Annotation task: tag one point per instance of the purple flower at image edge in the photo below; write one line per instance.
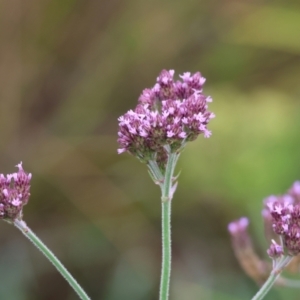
(170, 113)
(284, 215)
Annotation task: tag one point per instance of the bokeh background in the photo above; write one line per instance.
(69, 68)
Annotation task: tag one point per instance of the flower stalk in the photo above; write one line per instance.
(168, 115)
(168, 190)
(21, 225)
(166, 251)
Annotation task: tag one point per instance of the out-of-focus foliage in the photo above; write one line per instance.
(68, 69)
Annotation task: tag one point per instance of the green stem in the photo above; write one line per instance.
(275, 274)
(21, 225)
(166, 251)
(167, 194)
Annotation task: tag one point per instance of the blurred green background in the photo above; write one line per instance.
(69, 69)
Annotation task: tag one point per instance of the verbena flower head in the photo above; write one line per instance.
(285, 218)
(167, 116)
(14, 193)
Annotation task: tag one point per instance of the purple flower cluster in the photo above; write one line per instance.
(14, 193)
(171, 113)
(284, 215)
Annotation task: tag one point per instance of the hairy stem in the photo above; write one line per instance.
(166, 251)
(167, 193)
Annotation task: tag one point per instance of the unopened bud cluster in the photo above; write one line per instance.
(239, 233)
(14, 193)
(171, 113)
(256, 268)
